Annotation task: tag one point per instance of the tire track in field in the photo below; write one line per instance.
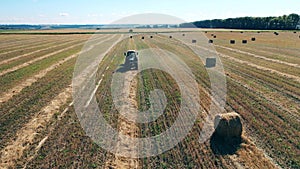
(38, 59)
(36, 51)
(28, 82)
(25, 136)
(259, 56)
(126, 127)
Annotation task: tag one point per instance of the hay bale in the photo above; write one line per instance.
(143, 37)
(253, 39)
(210, 62)
(170, 37)
(212, 35)
(130, 37)
(210, 41)
(242, 32)
(194, 41)
(228, 125)
(215, 36)
(244, 41)
(205, 31)
(295, 32)
(258, 32)
(183, 34)
(232, 41)
(151, 37)
(276, 33)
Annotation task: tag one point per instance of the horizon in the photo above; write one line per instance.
(100, 24)
(46, 12)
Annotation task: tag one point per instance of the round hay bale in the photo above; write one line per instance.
(151, 37)
(228, 125)
(170, 37)
(242, 32)
(215, 36)
(232, 41)
(143, 37)
(244, 41)
(194, 41)
(131, 37)
(210, 41)
(253, 39)
(183, 34)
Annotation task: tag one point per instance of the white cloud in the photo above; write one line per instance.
(63, 14)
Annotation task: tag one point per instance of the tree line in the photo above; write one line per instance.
(285, 22)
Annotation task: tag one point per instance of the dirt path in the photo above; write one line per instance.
(130, 129)
(28, 82)
(127, 127)
(259, 56)
(24, 137)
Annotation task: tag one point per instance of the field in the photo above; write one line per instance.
(39, 127)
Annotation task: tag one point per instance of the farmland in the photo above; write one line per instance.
(39, 127)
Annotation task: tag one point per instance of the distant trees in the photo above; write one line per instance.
(276, 23)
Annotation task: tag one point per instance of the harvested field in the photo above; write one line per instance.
(39, 127)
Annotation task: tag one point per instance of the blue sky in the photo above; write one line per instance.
(107, 11)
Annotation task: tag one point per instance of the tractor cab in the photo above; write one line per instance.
(131, 59)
